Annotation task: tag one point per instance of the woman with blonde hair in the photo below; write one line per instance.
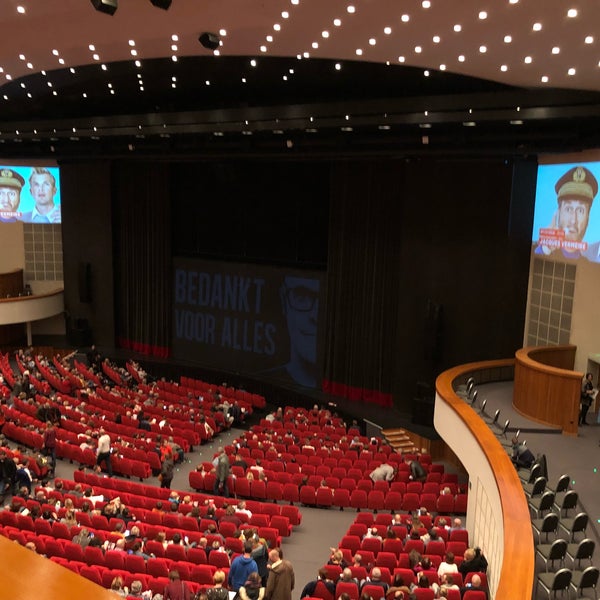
(116, 586)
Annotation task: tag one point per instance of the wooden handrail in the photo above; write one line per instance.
(517, 571)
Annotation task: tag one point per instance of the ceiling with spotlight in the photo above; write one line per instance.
(517, 75)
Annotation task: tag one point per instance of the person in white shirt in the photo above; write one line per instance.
(103, 451)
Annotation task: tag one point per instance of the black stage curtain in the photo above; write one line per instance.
(143, 257)
(363, 280)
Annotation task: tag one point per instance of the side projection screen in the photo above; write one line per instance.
(29, 194)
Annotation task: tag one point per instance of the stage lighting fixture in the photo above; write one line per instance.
(106, 6)
(209, 40)
(164, 4)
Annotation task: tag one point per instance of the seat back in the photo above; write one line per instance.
(585, 549)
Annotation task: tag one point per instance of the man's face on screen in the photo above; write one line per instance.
(573, 218)
(301, 303)
(42, 189)
(9, 198)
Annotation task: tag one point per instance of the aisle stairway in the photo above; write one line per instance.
(399, 440)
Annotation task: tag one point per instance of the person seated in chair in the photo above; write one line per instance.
(522, 456)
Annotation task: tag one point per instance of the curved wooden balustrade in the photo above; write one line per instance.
(26, 309)
(498, 514)
(546, 388)
(29, 576)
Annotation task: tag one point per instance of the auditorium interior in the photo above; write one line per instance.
(322, 204)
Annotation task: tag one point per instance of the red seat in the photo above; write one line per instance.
(352, 542)
(445, 504)
(358, 500)
(460, 504)
(197, 556)
(175, 552)
(436, 547)
(292, 513)
(459, 535)
(324, 497)
(258, 489)
(114, 559)
(375, 500)
(423, 593)
(157, 567)
(417, 545)
(282, 524)
(220, 560)
(376, 592)
(91, 573)
(73, 552)
(474, 595)
(396, 546)
(410, 502)
(429, 501)
(322, 592)
(387, 560)
(408, 575)
(341, 498)
(290, 492)
(347, 588)
(372, 545)
(308, 495)
(135, 563)
(93, 556)
(274, 491)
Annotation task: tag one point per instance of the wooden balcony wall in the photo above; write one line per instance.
(547, 390)
(497, 514)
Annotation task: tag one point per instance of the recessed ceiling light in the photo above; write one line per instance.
(245, 132)
(469, 124)
(461, 58)
(555, 50)
(96, 56)
(29, 65)
(325, 34)
(295, 2)
(104, 67)
(337, 22)
(483, 15)
(112, 91)
(21, 10)
(405, 18)
(372, 41)
(351, 9)
(347, 129)
(315, 45)
(545, 79)
(359, 52)
(175, 37)
(263, 48)
(21, 57)
(513, 1)
(457, 28)
(207, 82)
(223, 32)
(426, 4)
(425, 125)
(516, 122)
(243, 80)
(528, 60)
(401, 59)
(138, 63)
(442, 67)
(537, 27)
(571, 71)
(284, 77)
(174, 47)
(507, 39)
(387, 30)
(92, 48)
(61, 61)
(131, 43)
(436, 39)
(269, 38)
(347, 117)
(72, 70)
(252, 63)
(483, 49)
(306, 55)
(276, 27)
(285, 14)
(418, 49)
(338, 66)
(572, 13)
(291, 71)
(426, 73)
(504, 68)
(589, 39)
(55, 52)
(54, 93)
